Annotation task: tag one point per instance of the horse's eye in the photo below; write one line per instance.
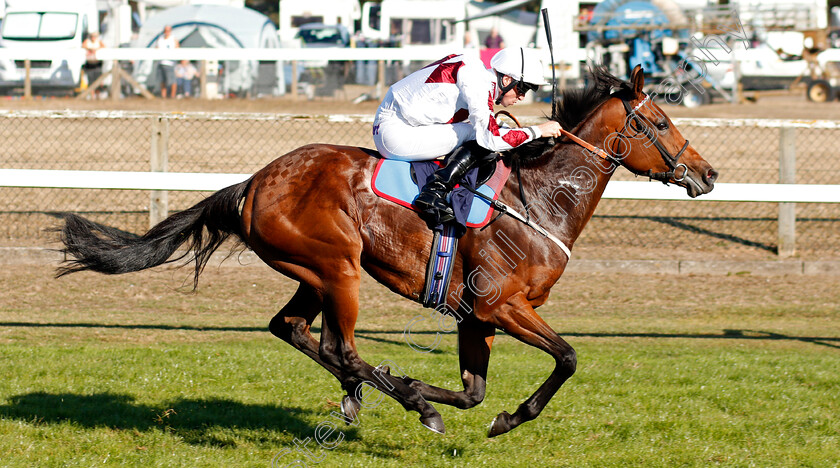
(662, 126)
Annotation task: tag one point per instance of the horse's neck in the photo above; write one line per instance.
(570, 184)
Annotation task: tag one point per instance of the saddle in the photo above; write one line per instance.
(400, 182)
(397, 181)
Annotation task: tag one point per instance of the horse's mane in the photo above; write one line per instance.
(573, 106)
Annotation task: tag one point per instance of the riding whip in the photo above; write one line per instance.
(551, 54)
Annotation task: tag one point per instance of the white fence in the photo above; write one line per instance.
(380, 55)
(206, 182)
(565, 58)
(431, 52)
(203, 55)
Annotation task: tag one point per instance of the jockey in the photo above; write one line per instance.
(447, 107)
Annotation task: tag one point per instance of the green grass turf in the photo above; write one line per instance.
(113, 383)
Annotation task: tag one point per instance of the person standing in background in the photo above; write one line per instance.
(185, 72)
(468, 40)
(166, 68)
(93, 66)
(494, 40)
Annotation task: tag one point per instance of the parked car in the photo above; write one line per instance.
(324, 35)
(323, 77)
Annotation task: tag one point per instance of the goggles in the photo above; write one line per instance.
(523, 87)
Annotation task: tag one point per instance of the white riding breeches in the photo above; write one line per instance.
(396, 139)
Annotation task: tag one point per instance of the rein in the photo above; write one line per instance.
(592, 148)
(664, 177)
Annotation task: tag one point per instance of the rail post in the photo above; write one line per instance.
(159, 199)
(738, 89)
(380, 79)
(294, 86)
(116, 81)
(202, 80)
(787, 175)
(27, 79)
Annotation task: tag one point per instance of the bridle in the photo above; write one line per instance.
(638, 125)
(671, 161)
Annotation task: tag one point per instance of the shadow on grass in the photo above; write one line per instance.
(363, 334)
(829, 341)
(211, 422)
(139, 326)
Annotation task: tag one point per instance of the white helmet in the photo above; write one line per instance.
(520, 64)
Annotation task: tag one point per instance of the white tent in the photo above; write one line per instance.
(217, 26)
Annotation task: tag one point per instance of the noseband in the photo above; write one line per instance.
(672, 161)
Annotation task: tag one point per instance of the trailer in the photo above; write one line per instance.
(823, 66)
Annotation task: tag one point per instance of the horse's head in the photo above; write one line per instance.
(647, 143)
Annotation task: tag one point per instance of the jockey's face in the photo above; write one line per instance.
(513, 95)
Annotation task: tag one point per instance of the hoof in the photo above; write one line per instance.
(433, 423)
(500, 424)
(350, 408)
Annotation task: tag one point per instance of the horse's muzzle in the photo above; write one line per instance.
(699, 182)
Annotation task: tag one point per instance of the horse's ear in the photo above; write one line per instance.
(637, 78)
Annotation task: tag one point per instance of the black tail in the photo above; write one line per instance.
(93, 246)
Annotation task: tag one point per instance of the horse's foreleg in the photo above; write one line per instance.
(475, 340)
(337, 347)
(519, 320)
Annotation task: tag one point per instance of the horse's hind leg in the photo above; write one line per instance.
(519, 320)
(475, 340)
(292, 324)
(341, 308)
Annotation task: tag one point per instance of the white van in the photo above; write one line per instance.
(48, 25)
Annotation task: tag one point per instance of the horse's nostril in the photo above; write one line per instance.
(711, 176)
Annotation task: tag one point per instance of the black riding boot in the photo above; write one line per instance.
(431, 202)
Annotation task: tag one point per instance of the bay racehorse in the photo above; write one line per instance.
(311, 215)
